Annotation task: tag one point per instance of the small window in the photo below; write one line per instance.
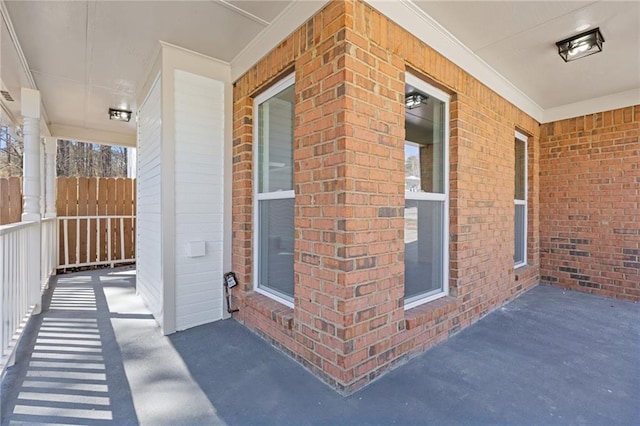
(426, 217)
(274, 195)
(520, 200)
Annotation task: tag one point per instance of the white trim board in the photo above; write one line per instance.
(410, 17)
(441, 198)
(44, 118)
(83, 134)
(294, 15)
(591, 106)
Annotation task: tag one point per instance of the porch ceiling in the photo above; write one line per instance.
(87, 56)
(517, 39)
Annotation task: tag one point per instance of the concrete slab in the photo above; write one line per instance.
(549, 357)
(96, 356)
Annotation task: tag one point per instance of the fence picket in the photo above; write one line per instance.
(92, 210)
(61, 208)
(4, 201)
(10, 200)
(72, 210)
(102, 211)
(90, 240)
(129, 202)
(111, 210)
(83, 201)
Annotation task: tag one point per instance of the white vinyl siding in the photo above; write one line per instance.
(199, 202)
(149, 227)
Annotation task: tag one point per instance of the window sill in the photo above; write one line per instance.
(436, 310)
(524, 271)
(276, 311)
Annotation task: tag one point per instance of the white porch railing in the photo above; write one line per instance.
(29, 257)
(99, 240)
(49, 251)
(20, 280)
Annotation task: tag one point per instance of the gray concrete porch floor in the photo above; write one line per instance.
(96, 356)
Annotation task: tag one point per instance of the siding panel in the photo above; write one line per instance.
(149, 226)
(199, 154)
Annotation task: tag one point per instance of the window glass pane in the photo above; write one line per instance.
(520, 237)
(424, 150)
(275, 142)
(276, 246)
(423, 239)
(520, 172)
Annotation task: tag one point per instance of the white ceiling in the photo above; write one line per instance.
(87, 56)
(518, 39)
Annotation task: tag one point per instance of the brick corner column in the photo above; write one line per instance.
(349, 157)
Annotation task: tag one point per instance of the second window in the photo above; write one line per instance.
(274, 195)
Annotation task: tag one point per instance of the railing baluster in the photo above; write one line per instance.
(78, 241)
(3, 307)
(98, 247)
(88, 244)
(115, 241)
(65, 224)
(109, 240)
(18, 276)
(121, 235)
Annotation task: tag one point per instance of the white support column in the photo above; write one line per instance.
(132, 156)
(51, 150)
(42, 176)
(31, 192)
(31, 161)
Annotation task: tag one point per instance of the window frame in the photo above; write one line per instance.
(272, 91)
(521, 137)
(443, 197)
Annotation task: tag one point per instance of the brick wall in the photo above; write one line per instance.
(349, 322)
(590, 220)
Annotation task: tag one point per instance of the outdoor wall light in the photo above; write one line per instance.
(581, 45)
(119, 115)
(415, 100)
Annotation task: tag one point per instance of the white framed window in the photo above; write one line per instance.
(426, 214)
(520, 200)
(273, 191)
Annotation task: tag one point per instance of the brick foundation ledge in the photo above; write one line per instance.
(434, 312)
(275, 323)
(277, 312)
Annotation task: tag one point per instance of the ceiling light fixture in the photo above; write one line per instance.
(415, 100)
(119, 115)
(581, 45)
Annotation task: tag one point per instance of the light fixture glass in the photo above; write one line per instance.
(415, 100)
(581, 45)
(119, 115)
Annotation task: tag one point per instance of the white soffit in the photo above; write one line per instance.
(604, 103)
(295, 14)
(15, 74)
(84, 134)
(265, 11)
(518, 39)
(409, 16)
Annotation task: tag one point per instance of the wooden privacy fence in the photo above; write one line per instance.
(10, 200)
(96, 221)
